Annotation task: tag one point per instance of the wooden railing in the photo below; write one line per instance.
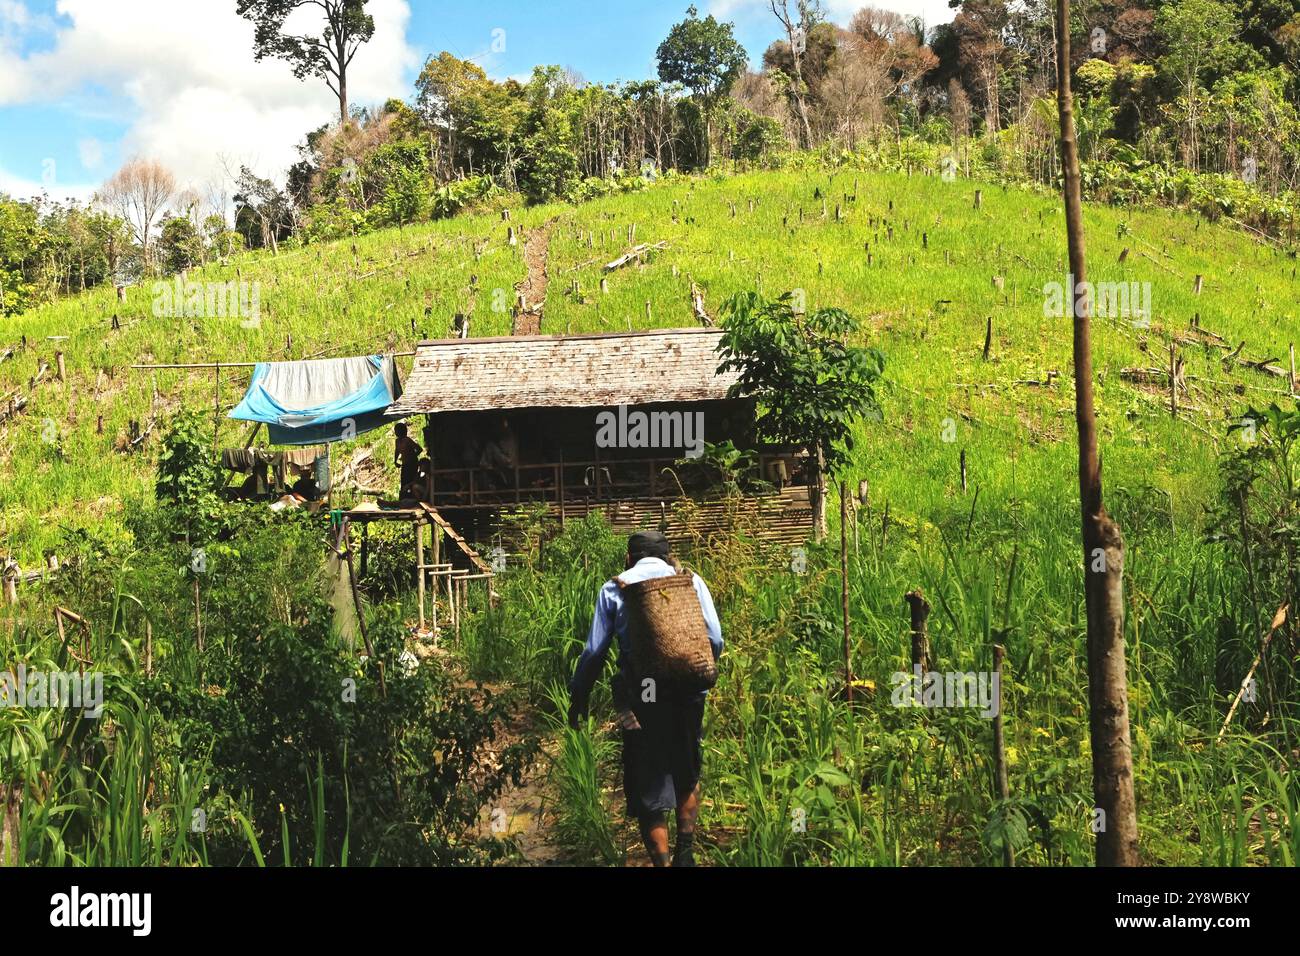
(555, 482)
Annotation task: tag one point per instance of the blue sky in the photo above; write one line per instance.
(88, 83)
(604, 41)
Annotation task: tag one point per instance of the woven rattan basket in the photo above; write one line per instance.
(667, 637)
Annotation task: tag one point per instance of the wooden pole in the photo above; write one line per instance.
(920, 609)
(1115, 822)
(356, 590)
(817, 495)
(1000, 753)
(857, 542)
(211, 366)
(1173, 380)
(844, 586)
(460, 606)
(419, 568)
(216, 412)
(451, 603)
(198, 614)
(435, 536)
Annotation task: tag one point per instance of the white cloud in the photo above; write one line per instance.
(23, 188)
(188, 83)
(91, 153)
(13, 15)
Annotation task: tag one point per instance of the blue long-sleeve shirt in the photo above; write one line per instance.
(610, 619)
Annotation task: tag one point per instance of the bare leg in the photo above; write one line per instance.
(654, 831)
(688, 809)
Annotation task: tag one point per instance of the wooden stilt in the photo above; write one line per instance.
(419, 566)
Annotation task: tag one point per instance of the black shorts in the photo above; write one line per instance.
(661, 761)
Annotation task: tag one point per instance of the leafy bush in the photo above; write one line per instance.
(756, 138)
(455, 197)
(188, 478)
(382, 757)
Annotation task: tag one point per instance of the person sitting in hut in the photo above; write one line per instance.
(406, 455)
(501, 455)
(258, 483)
(306, 488)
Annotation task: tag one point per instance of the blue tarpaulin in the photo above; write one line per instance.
(328, 400)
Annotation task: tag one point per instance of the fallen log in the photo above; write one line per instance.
(634, 254)
(1265, 366)
(1048, 382)
(1199, 343)
(1144, 376)
(12, 407)
(1199, 329)
(1278, 620)
(134, 443)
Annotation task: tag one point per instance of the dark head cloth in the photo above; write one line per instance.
(647, 544)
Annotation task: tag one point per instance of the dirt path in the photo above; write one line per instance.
(537, 244)
(524, 814)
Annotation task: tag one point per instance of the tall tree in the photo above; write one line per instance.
(19, 237)
(705, 57)
(1103, 545)
(1200, 37)
(980, 29)
(347, 26)
(138, 192)
(260, 204)
(798, 28)
(445, 89)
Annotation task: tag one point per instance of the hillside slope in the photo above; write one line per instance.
(911, 255)
(926, 269)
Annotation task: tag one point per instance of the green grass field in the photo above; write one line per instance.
(926, 302)
(925, 270)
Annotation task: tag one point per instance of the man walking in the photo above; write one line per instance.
(661, 724)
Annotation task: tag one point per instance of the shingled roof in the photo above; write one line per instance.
(565, 371)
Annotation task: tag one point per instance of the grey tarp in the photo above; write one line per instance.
(323, 400)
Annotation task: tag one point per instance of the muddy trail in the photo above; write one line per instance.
(531, 292)
(526, 814)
